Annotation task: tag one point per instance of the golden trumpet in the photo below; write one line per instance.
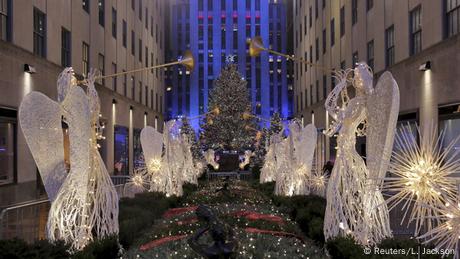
(256, 46)
(187, 61)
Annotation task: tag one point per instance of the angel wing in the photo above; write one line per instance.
(382, 107)
(306, 149)
(152, 143)
(41, 123)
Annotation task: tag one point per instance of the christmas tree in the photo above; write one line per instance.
(229, 124)
(187, 130)
(275, 124)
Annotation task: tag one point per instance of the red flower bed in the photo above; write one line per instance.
(273, 233)
(159, 242)
(178, 211)
(256, 216)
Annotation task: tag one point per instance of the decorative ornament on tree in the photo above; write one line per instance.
(423, 175)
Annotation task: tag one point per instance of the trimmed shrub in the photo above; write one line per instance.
(16, 248)
(106, 248)
(345, 248)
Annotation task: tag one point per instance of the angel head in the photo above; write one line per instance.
(363, 79)
(65, 80)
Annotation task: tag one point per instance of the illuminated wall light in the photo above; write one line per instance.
(313, 117)
(27, 84)
(145, 119)
(29, 69)
(425, 66)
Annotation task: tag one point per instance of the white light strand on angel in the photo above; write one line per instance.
(355, 205)
(422, 175)
(84, 203)
(271, 161)
(296, 160)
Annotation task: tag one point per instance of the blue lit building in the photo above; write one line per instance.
(215, 29)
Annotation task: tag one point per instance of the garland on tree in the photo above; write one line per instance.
(229, 126)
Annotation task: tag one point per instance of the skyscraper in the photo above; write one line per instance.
(217, 31)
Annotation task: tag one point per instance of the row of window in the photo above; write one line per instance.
(452, 17)
(223, 4)
(101, 9)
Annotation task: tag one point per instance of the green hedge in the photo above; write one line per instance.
(106, 248)
(140, 212)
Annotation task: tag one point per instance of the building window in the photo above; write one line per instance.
(146, 56)
(133, 44)
(133, 88)
(311, 54)
(85, 5)
(140, 91)
(125, 84)
(332, 32)
(415, 30)
(389, 46)
(140, 10)
(5, 20)
(317, 49)
(354, 11)
(316, 9)
(310, 17)
(342, 21)
(200, 5)
(138, 160)
(324, 41)
(121, 150)
(369, 4)
(151, 26)
(133, 4)
(140, 50)
(342, 65)
(305, 24)
(101, 67)
(317, 90)
(370, 54)
(354, 59)
(8, 128)
(114, 79)
(65, 47)
(146, 96)
(324, 4)
(101, 8)
(39, 33)
(146, 18)
(125, 32)
(324, 86)
(257, 5)
(151, 99)
(452, 17)
(306, 58)
(85, 58)
(114, 23)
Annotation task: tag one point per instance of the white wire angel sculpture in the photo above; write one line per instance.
(84, 203)
(272, 158)
(355, 205)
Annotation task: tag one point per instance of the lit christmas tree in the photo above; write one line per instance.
(187, 129)
(275, 124)
(229, 124)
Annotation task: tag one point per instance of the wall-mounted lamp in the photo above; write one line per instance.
(114, 101)
(29, 69)
(425, 66)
